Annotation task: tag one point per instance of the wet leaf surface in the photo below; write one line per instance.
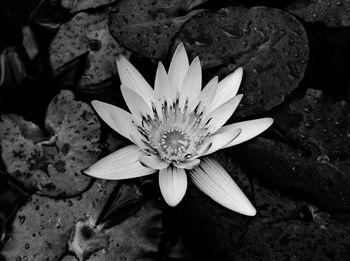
(330, 13)
(51, 164)
(289, 167)
(271, 45)
(285, 226)
(11, 198)
(57, 226)
(87, 33)
(147, 27)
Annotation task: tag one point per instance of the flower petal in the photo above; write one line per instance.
(131, 77)
(227, 88)
(162, 88)
(250, 129)
(189, 164)
(220, 115)
(208, 93)
(219, 140)
(173, 185)
(213, 180)
(152, 161)
(115, 117)
(121, 164)
(178, 68)
(135, 103)
(192, 85)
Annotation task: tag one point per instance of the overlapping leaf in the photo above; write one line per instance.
(271, 45)
(51, 164)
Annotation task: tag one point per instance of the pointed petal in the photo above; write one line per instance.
(208, 93)
(115, 117)
(173, 185)
(221, 114)
(227, 88)
(213, 180)
(250, 129)
(220, 140)
(189, 164)
(178, 68)
(131, 77)
(192, 85)
(162, 88)
(135, 103)
(122, 164)
(152, 161)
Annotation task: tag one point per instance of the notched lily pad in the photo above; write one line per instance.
(51, 165)
(43, 227)
(330, 13)
(147, 27)
(87, 33)
(61, 225)
(270, 44)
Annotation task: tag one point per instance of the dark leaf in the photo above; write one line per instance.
(11, 198)
(271, 45)
(50, 14)
(69, 75)
(147, 27)
(122, 203)
(331, 13)
(12, 68)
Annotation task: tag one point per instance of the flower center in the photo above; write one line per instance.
(174, 134)
(174, 141)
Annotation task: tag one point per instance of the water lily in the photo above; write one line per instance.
(173, 128)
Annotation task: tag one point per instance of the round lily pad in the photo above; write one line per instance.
(330, 13)
(270, 45)
(147, 27)
(87, 33)
(51, 165)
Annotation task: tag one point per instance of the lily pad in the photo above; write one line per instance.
(11, 198)
(80, 5)
(287, 167)
(309, 234)
(51, 166)
(321, 124)
(147, 27)
(269, 44)
(87, 33)
(330, 13)
(61, 225)
(286, 225)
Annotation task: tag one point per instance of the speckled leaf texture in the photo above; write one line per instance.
(148, 27)
(270, 45)
(49, 162)
(87, 32)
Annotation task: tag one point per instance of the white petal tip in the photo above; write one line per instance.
(247, 211)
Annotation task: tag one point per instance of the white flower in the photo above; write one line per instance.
(175, 124)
